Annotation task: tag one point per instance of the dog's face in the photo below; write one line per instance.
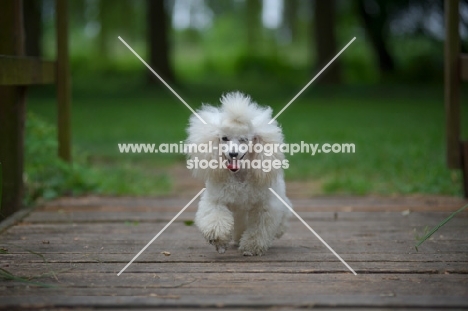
(234, 129)
(234, 149)
(235, 136)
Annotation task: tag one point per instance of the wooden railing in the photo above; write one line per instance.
(456, 71)
(18, 71)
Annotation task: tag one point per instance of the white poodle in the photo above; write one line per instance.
(237, 203)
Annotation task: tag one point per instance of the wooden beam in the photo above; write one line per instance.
(464, 156)
(26, 71)
(464, 67)
(452, 83)
(63, 82)
(12, 111)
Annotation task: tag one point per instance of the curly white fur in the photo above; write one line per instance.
(239, 205)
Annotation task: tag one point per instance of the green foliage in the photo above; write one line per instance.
(398, 133)
(259, 65)
(46, 175)
(189, 223)
(8, 276)
(220, 48)
(436, 228)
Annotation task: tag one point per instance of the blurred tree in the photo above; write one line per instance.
(115, 17)
(290, 18)
(221, 7)
(32, 12)
(412, 17)
(77, 17)
(325, 40)
(158, 41)
(254, 9)
(105, 12)
(375, 16)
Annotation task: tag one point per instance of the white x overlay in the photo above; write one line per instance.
(313, 231)
(162, 230)
(313, 79)
(164, 82)
(203, 121)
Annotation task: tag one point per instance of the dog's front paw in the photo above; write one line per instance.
(221, 246)
(219, 236)
(250, 246)
(254, 250)
(216, 224)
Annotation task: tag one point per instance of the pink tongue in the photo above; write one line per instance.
(233, 165)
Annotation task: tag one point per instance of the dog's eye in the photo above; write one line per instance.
(224, 138)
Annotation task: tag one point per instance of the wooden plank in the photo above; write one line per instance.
(245, 289)
(244, 308)
(176, 298)
(26, 71)
(379, 223)
(190, 246)
(452, 83)
(141, 233)
(12, 112)
(70, 216)
(78, 255)
(301, 251)
(316, 204)
(81, 260)
(268, 282)
(63, 82)
(30, 270)
(14, 219)
(464, 67)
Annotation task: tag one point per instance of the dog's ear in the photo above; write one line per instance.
(270, 137)
(203, 140)
(266, 133)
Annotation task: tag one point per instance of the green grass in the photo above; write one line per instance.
(398, 132)
(427, 235)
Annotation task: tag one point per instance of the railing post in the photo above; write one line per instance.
(12, 111)
(63, 82)
(452, 84)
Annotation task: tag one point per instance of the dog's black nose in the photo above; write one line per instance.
(233, 154)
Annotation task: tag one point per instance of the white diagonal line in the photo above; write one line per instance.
(164, 82)
(312, 230)
(313, 79)
(157, 235)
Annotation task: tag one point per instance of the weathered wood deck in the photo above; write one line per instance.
(79, 245)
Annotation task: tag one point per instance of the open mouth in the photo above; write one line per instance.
(233, 165)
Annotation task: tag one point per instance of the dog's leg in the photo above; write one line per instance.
(215, 222)
(285, 215)
(263, 223)
(240, 223)
(283, 226)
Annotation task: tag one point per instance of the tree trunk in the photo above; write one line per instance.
(158, 39)
(32, 12)
(104, 11)
(325, 41)
(290, 18)
(254, 9)
(376, 29)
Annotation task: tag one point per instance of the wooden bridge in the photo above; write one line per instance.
(66, 254)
